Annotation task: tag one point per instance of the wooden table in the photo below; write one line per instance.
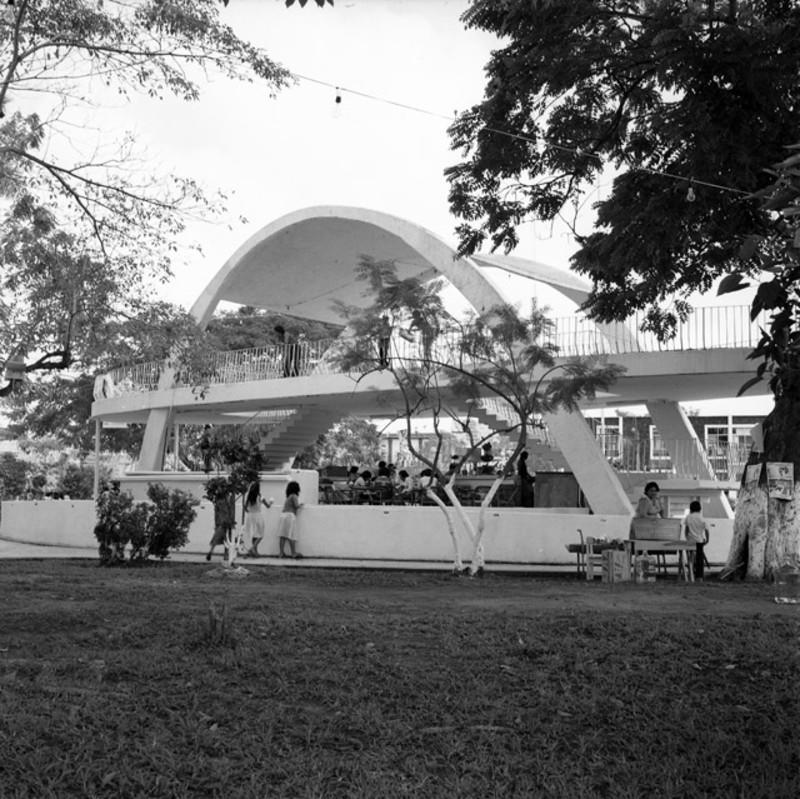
(655, 547)
(579, 550)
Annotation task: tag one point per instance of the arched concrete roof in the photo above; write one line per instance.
(303, 261)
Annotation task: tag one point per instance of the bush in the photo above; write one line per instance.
(149, 528)
(170, 518)
(77, 481)
(13, 476)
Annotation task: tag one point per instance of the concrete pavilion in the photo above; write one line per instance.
(300, 263)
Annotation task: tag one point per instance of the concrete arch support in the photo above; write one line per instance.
(597, 479)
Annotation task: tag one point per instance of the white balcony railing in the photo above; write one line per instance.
(707, 328)
(685, 458)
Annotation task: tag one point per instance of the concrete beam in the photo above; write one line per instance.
(597, 479)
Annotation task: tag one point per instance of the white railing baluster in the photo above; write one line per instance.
(706, 328)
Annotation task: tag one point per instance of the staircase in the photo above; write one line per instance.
(297, 431)
(544, 455)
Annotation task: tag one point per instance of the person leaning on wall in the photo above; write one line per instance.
(526, 481)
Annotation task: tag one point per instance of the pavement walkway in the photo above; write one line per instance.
(17, 550)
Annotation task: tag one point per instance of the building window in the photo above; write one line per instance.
(609, 436)
(728, 449)
(659, 454)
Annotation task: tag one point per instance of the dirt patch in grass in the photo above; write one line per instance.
(385, 684)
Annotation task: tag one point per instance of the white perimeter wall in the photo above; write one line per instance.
(529, 535)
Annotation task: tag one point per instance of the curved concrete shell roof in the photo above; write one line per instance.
(300, 263)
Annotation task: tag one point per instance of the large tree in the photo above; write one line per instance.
(687, 103)
(87, 233)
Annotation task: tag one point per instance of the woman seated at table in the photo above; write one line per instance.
(352, 476)
(361, 487)
(404, 487)
(650, 505)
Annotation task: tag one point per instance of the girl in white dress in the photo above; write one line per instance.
(287, 524)
(255, 524)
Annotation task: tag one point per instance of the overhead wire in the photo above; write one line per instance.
(578, 151)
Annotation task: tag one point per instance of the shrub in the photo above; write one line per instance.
(116, 522)
(171, 515)
(149, 528)
(77, 481)
(13, 476)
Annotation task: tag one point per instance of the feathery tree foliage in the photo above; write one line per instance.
(498, 354)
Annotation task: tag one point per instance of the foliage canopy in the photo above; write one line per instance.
(681, 100)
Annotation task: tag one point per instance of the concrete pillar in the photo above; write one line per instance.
(686, 451)
(597, 479)
(98, 428)
(151, 457)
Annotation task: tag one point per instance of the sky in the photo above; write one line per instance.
(300, 148)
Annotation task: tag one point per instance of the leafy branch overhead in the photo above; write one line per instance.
(681, 105)
(776, 259)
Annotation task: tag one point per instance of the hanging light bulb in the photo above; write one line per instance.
(9, 12)
(337, 104)
(690, 195)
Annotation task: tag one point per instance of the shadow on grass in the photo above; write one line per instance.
(379, 684)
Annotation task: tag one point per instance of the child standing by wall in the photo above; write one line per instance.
(224, 520)
(287, 525)
(254, 522)
(697, 531)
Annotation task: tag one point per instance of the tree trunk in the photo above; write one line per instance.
(451, 528)
(766, 531)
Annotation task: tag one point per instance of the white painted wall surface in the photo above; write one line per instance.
(537, 536)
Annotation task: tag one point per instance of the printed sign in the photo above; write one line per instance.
(751, 475)
(780, 480)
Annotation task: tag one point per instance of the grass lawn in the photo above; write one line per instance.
(324, 683)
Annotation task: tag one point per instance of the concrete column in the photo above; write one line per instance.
(686, 451)
(597, 479)
(151, 457)
(98, 427)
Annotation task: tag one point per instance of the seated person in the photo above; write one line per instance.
(361, 487)
(427, 480)
(352, 476)
(453, 466)
(383, 479)
(404, 484)
(650, 505)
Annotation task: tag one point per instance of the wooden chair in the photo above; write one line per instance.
(593, 559)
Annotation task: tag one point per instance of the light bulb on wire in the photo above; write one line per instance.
(9, 12)
(337, 104)
(690, 194)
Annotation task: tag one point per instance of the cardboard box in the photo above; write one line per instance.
(616, 566)
(644, 569)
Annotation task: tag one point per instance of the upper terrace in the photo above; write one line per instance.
(709, 351)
